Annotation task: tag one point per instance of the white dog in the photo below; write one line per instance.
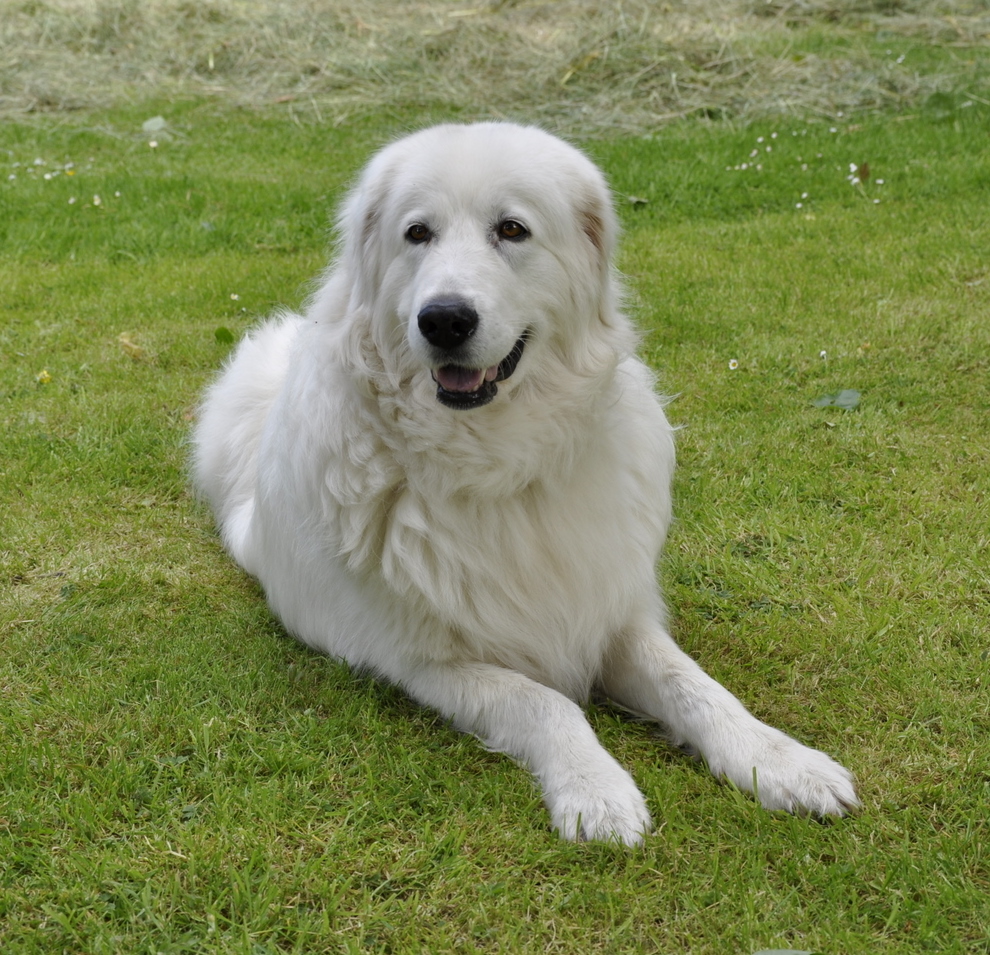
(453, 473)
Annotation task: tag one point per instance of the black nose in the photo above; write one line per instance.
(447, 324)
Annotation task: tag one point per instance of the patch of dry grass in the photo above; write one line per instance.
(572, 64)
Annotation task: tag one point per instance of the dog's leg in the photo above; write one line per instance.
(648, 673)
(589, 795)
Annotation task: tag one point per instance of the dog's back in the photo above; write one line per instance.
(231, 419)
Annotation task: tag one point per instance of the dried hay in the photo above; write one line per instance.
(572, 64)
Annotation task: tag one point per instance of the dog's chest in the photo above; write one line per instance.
(537, 581)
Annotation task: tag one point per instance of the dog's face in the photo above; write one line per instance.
(478, 246)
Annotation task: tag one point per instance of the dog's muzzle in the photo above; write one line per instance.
(459, 387)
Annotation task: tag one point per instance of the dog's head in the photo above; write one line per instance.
(476, 247)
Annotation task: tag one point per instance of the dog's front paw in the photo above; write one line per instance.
(784, 774)
(607, 809)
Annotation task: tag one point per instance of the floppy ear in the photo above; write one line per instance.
(599, 223)
(594, 229)
(601, 226)
(357, 225)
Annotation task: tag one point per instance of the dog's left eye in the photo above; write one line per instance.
(511, 229)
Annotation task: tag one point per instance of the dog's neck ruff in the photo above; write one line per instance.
(460, 388)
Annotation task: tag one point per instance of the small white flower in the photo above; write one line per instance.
(235, 297)
(13, 175)
(48, 175)
(72, 200)
(97, 200)
(39, 162)
(755, 152)
(879, 182)
(773, 135)
(804, 195)
(876, 202)
(759, 139)
(769, 149)
(733, 364)
(117, 194)
(823, 355)
(832, 129)
(799, 205)
(153, 143)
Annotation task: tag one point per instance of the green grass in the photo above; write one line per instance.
(178, 776)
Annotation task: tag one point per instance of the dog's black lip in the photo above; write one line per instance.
(508, 364)
(488, 389)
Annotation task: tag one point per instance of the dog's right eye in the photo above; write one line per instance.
(417, 233)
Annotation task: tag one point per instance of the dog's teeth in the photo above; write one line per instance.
(491, 373)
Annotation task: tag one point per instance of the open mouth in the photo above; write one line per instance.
(459, 387)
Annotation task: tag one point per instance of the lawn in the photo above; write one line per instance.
(177, 775)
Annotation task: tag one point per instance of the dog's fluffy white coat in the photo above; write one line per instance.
(496, 562)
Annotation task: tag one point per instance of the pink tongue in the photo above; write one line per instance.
(453, 378)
